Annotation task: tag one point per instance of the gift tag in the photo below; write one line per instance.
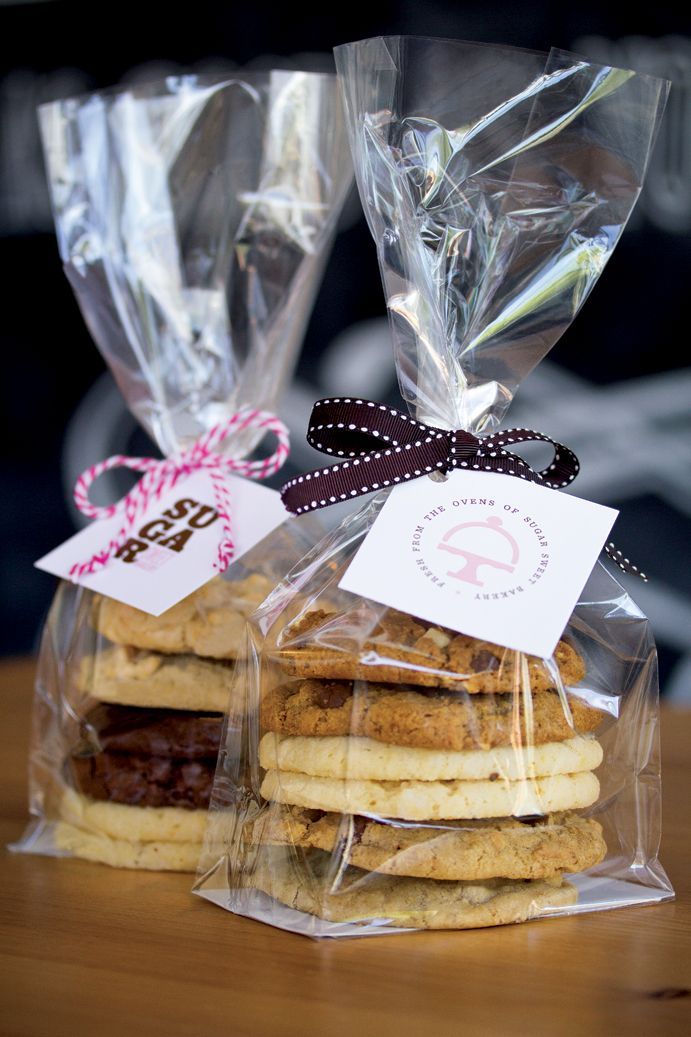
(172, 548)
(494, 557)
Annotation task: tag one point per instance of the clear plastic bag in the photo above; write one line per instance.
(194, 218)
(388, 773)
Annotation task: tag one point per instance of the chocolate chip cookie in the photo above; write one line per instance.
(529, 848)
(417, 717)
(404, 903)
(397, 648)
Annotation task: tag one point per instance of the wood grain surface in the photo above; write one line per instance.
(89, 950)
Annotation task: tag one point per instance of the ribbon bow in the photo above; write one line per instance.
(161, 476)
(387, 447)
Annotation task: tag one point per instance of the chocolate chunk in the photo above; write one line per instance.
(359, 825)
(314, 815)
(333, 695)
(493, 776)
(304, 625)
(484, 661)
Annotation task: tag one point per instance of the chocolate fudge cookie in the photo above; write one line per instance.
(147, 757)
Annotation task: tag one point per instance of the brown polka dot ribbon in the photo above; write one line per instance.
(383, 447)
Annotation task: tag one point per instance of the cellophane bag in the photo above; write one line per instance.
(390, 773)
(194, 218)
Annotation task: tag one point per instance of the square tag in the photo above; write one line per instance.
(491, 556)
(173, 546)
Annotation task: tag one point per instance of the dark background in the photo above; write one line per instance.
(632, 328)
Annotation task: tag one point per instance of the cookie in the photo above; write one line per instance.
(419, 718)
(398, 648)
(534, 848)
(351, 757)
(144, 781)
(167, 733)
(146, 757)
(156, 855)
(210, 622)
(130, 823)
(433, 800)
(136, 677)
(406, 903)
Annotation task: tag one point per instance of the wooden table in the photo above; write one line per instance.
(89, 950)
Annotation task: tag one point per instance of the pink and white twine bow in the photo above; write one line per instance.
(161, 476)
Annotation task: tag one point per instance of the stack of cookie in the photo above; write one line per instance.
(139, 773)
(424, 778)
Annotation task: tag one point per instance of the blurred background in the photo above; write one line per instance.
(616, 388)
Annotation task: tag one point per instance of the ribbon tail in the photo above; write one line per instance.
(226, 547)
(619, 559)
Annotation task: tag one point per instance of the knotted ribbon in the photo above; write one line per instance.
(162, 475)
(387, 447)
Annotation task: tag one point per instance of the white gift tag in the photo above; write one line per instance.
(494, 557)
(172, 548)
